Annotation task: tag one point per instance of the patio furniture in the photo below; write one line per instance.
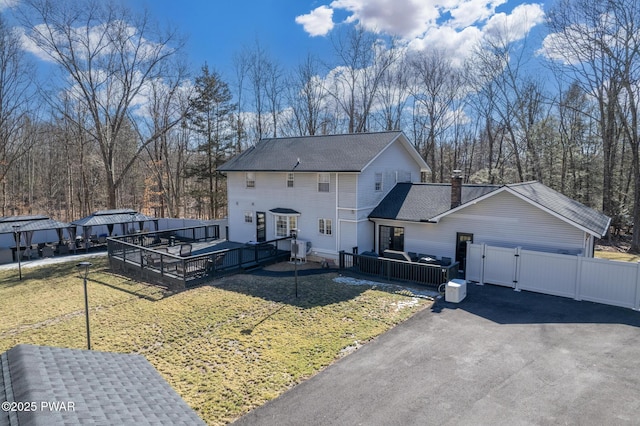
(185, 250)
(155, 258)
(47, 251)
(396, 255)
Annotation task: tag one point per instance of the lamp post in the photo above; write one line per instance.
(294, 234)
(16, 232)
(86, 266)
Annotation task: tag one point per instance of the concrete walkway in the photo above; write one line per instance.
(498, 358)
(53, 260)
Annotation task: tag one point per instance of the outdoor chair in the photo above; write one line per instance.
(185, 250)
(155, 259)
(47, 251)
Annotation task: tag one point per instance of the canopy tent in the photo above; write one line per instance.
(109, 218)
(27, 225)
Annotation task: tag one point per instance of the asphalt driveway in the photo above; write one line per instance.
(500, 357)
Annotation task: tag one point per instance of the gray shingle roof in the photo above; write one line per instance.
(564, 206)
(105, 388)
(108, 217)
(333, 153)
(30, 223)
(423, 202)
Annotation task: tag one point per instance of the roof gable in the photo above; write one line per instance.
(327, 153)
(563, 207)
(431, 202)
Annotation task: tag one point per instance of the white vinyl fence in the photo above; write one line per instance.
(581, 278)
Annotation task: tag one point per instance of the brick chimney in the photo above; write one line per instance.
(456, 188)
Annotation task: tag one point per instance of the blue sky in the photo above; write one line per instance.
(218, 29)
(290, 29)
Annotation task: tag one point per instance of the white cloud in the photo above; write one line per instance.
(468, 12)
(459, 44)
(318, 22)
(6, 4)
(516, 25)
(453, 25)
(406, 18)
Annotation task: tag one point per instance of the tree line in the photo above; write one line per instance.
(119, 119)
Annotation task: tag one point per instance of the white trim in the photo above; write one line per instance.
(520, 196)
(407, 145)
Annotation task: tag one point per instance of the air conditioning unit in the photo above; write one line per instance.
(455, 291)
(299, 250)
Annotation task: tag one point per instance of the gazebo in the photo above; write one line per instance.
(127, 218)
(26, 226)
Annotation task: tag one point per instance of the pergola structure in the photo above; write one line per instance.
(26, 226)
(126, 218)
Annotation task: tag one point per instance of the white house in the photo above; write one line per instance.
(324, 186)
(440, 219)
(364, 190)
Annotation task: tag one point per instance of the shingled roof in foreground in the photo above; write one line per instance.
(79, 387)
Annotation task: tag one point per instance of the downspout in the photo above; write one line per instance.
(375, 235)
(339, 227)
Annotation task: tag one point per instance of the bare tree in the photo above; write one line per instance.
(597, 45)
(108, 55)
(394, 93)
(436, 85)
(16, 131)
(362, 63)
(306, 96)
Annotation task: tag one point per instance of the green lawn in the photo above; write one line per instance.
(225, 349)
(617, 255)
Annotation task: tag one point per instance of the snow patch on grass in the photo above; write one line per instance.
(409, 291)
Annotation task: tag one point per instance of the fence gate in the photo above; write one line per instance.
(581, 278)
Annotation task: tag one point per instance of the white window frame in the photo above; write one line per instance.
(325, 226)
(324, 179)
(250, 179)
(248, 216)
(289, 221)
(290, 180)
(378, 182)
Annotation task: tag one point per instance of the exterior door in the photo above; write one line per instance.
(392, 238)
(462, 239)
(261, 227)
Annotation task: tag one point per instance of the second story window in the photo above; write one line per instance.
(378, 183)
(324, 179)
(290, 178)
(250, 179)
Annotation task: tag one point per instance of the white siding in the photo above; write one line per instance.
(347, 187)
(348, 237)
(271, 192)
(349, 201)
(502, 220)
(393, 161)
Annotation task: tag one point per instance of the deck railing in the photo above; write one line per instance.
(174, 271)
(392, 270)
(170, 237)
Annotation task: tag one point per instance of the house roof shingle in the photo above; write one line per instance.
(105, 388)
(326, 153)
(564, 206)
(419, 202)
